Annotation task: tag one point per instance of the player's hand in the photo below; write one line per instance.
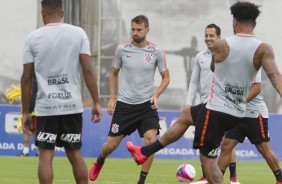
(154, 102)
(111, 106)
(26, 124)
(96, 115)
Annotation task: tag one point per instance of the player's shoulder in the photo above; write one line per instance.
(220, 45)
(125, 45)
(264, 49)
(202, 52)
(152, 46)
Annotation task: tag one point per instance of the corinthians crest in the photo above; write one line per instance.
(148, 57)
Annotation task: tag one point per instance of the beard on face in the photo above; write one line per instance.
(138, 39)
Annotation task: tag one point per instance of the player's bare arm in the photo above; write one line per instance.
(264, 57)
(91, 83)
(26, 88)
(113, 87)
(165, 82)
(220, 52)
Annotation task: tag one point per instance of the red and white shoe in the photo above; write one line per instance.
(234, 180)
(95, 170)
(136, 153)
(201, 181)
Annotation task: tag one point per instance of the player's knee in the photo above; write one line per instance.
(149, 140)
(111, 146)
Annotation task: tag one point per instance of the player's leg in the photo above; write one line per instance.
(46, 134)
(45, 169)
(211, 169)
(232, 168)
(258, 135)
(79, 168)
(107, 148)
(26, 144)
(176, 131)
(270, 157)
(149, 138)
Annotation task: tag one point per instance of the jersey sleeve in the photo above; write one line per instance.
(161, 61)
(85, 46)
(117, 61)
(257, 78)
(28, 56)
(194, 82)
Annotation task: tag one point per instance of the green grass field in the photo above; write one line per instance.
(23, 170)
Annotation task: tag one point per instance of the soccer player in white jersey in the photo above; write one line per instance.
(255, 128)
(57, 52)
(136, 105)
(235, 61)
(202, 76)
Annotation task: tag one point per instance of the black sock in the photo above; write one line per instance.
(232, 169)
(142, 178)
(101, 160)
(151, 148)
(204, 174)
(278, 175)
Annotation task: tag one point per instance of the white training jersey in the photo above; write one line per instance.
(201, 75)
(137, 70)
(54, 49)
(234, 76)
(257, 106)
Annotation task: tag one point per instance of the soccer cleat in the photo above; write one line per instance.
(233, 180)
(136, 153)
(201, 181)
(279, 182)
(95, 170)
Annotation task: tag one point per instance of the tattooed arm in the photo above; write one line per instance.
(265, 57)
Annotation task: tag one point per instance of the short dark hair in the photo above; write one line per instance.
(54, 5)
(245, 11)
(141, 19)
(217, 29)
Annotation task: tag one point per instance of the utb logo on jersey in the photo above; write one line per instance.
(148, 57)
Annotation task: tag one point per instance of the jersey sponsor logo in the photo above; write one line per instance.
(128, 46)
(237, 108)
(65, 95)
(46, 137)
(71, 138)
(150, 47)
(235, 90)
(213, 153)
(60, 107)
(236, 101)
(148, 57)
(57, 81)
(115, 128)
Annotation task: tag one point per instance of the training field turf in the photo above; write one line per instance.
(23, 170)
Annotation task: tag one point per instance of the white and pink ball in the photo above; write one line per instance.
(185, 172)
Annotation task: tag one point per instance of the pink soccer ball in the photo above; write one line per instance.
(185, 172)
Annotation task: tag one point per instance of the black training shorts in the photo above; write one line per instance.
(61, 131)
(195, 109)
(129, 117)
(256, 129)
(210, 129)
